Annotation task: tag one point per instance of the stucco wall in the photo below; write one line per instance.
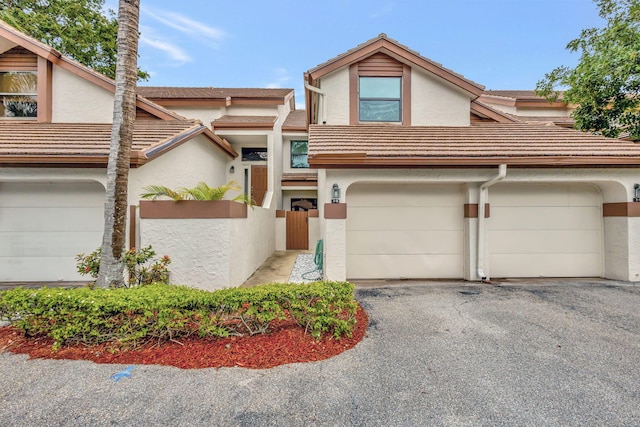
(212, 253)
(336, 87)
(252, 242)
(434, 103)
(75, 100)
(621, 241)
(184, 166)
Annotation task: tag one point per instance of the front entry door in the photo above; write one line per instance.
(258, 184)
(297, 230)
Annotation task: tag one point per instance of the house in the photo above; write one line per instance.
(55, 126)
(404, 168)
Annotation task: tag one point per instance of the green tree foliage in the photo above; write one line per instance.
(605, 85)
(77, 28)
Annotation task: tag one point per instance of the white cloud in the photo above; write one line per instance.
(198, 31)
(281, 78)
(175, 53)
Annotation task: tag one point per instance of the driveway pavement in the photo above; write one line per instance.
(520, 353)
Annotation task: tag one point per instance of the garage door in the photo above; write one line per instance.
(550, 230)
(404, 231)
(43, 226)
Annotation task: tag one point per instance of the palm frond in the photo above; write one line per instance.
(154, 192)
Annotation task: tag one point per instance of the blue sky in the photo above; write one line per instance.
(502, 44)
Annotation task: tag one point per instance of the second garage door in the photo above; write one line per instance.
(44, 225)
(549, 230)
(404, 231)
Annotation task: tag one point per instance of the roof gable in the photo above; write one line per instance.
(52, 55)
(401, 53)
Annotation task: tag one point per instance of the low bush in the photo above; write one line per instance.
(132, 316)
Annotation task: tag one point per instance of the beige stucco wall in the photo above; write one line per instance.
(435, 103)
(621, 236)
(336, 87)
(252, 242)
(75, 100)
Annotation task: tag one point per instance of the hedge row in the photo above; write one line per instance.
(164, 312)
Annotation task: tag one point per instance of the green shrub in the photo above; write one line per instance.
(132, 316)
(141, 267)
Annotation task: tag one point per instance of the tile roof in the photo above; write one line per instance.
(300, 176)
(488, 144)
(295, 121)
(517, 94)
(155, 92)
(87, 144)
(243, 122)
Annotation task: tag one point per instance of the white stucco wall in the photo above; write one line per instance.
(252, 242)
(205, 114)
(281, 234)
(336, 87)
(184, 166)
(435, 103)
(212, 253)
(75, 100)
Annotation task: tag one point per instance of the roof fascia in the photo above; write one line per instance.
(361, 160)
(498, 116)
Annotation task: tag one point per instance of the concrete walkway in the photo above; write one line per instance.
(277, 268)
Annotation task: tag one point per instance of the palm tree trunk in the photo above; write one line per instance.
(124, 115)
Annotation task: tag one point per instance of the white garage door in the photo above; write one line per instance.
(550, 230)
(43, 226)
(404, 231)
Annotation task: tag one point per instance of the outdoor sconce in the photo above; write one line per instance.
(636, 192)
(232, 169)
(335, 194)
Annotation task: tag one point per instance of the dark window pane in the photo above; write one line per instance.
(253, 154)
(380, 111)
(299, 150)
(18, 106)
(299, 147)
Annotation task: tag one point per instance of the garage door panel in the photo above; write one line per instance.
(44, 225)
(546, 265)
(404, 218)
(403, 266)
(544, 218)
(509, 194)
(405, 242)
(53, 244)
(545, 230)
(38, 269)
(564, 241)
(401, 195)
(48, 194)
(404, 231)
(70, 218)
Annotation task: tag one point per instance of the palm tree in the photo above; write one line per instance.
(124, 116)
(202, 191)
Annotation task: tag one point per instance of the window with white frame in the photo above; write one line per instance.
(18, 95)
(380, 99)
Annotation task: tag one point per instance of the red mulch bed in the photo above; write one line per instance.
(287, 343)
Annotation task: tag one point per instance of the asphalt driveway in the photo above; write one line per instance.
(439, 353)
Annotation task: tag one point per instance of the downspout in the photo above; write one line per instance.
(322, 100)
(482, 200)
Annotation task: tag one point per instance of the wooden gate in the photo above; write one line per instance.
(258, 184)
(297, 229)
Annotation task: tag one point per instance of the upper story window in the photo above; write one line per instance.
(254, 154)
(299, 154)
(380, 99)
(18, 94)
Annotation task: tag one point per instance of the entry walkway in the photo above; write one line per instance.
(277, 268)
